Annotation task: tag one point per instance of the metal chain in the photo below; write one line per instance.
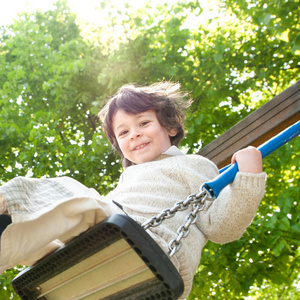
(197, 200)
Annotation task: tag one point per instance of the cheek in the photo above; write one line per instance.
(122, 144)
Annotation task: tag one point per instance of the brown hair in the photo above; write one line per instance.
(165, 98)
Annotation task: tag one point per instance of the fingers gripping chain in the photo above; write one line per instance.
(197, 200)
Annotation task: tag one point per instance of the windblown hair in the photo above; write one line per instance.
(165, 98)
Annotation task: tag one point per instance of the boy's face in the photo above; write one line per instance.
(140, 137)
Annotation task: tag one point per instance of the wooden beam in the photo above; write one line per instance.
(261, 125)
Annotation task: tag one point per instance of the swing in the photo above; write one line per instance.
(117, 259)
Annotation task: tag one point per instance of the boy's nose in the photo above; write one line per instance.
(135, 134)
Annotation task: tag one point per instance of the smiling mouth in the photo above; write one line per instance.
(140, 146)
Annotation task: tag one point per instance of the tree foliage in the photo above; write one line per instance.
(232, 57)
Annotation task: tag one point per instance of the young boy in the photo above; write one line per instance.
(145, 125)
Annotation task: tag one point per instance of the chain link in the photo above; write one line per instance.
(197, 200)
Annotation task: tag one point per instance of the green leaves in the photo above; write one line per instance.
(54, 78)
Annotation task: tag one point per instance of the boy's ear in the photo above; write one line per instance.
(173, 132)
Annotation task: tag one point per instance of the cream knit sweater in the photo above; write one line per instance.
(145, 190)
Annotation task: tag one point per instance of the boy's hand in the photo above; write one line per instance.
(249, 160)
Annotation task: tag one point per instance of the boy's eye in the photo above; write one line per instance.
(144, 123)
(122, 133)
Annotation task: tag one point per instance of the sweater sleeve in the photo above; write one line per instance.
(227, 217)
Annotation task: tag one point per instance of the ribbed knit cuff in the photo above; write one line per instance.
(255, 183)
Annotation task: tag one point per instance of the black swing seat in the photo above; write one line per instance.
(116, 259)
